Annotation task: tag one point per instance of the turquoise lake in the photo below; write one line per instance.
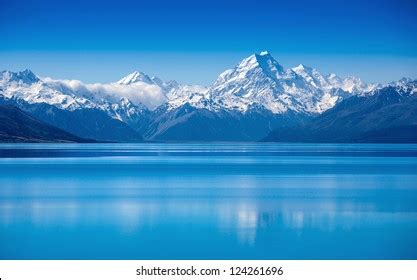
(208, 201)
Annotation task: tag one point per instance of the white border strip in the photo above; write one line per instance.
(103, 270)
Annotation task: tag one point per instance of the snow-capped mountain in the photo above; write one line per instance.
(405, 87)
(23, 77)
(27, 86)
(352, 85)
(261, 80)
(258, 88)
(387, 114)
(135, 77)
(73, 95)
(258, 80)
(175, 95)
(140, 77)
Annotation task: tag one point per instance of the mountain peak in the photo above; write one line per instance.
(134, 77)
(26, 76)
(405, 80)
(407, 84)
(302, 69)
(264, 60)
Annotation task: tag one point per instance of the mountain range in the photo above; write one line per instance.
(387, 114)
(257, 99)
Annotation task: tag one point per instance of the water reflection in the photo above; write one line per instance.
(213, 201)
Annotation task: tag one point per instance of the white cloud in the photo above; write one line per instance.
(147, 94)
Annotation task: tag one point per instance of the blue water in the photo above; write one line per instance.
(208, 201)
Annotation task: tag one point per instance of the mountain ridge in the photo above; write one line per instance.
(370, 118)
(19, 126)
(257, 92)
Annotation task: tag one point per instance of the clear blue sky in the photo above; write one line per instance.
(193, 41)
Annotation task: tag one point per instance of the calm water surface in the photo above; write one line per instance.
(208, 201)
